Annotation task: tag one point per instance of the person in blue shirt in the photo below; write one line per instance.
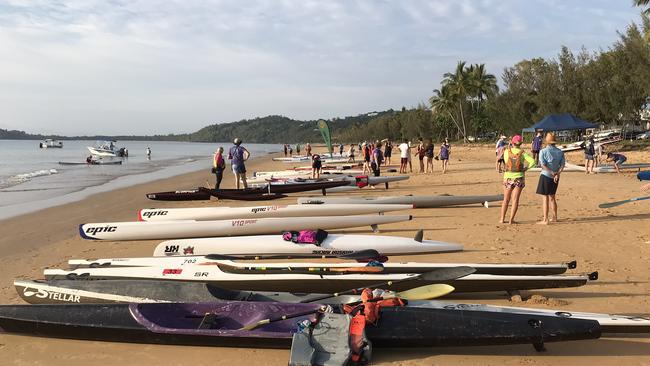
(536, 146)
(551, 160)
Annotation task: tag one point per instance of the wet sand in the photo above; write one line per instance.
(615, 242)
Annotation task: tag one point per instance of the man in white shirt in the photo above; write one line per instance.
(404, 152)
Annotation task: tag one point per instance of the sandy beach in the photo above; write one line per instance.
(615, 242)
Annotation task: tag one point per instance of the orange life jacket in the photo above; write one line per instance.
(357, 343)
(515, 162)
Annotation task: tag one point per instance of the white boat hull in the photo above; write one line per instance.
(254, 212)
(275, 245)
(196, 229)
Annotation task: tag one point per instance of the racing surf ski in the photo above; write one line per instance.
(389, 267)
(236, 279)
(416, 201)
(140, 230)
(275, 246)
(225, 213)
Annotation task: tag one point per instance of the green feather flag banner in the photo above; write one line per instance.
(325, 131)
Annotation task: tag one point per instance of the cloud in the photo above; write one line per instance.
(93, 66)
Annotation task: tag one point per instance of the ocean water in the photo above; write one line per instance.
(31, 178)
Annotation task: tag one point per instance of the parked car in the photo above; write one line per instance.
(643, 136)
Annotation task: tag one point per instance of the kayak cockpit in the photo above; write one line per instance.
(221, 319)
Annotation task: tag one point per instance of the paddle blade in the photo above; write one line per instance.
(426, 292)
(362, 254)
(252, 326)
(446, 274)
(612, 204)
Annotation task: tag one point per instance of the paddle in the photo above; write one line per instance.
(437, 275)
(360, 254)
(252, 326)
(426, 292)
(618, 203)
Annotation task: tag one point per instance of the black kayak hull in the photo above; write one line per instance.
(181, 324)
(189, 195)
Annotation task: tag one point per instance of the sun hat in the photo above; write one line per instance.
(550, 138)
(517, 140)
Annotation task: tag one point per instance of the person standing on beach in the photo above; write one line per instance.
(218, 166)
(514, 179)
(551, 160)
(308, 149)
(500, 148)
(445, 151)
(285, 150)
(420, 153)
(590, 150)
(404, 154)
(298, 149)
(377, 159)
(428, 156)
(238, 155)
(388, 151)
(316, 166)
(341, 147)
(536, 146)
(351, 154)
(365, 153)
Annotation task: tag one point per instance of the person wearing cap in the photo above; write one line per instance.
(514, 180)
(618, 160)
(589, 147)
(551, 160)
(238, 155)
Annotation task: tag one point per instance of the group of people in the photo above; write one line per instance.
(516, 162)
(594, 152)
(237, 155)
(288, 149)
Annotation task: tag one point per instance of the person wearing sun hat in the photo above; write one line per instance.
(514, 180)
(551, 160)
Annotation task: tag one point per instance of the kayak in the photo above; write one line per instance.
(223, 213)
(644, 175)
(292, 187)
(264, 246)
(343, 180)
(94, 162)
(245, 195)
(188, 195)
(131, 291)
(416, 201)
(408, 267)
(599, 169)
(220, 324)
(237, 279)
(140, 230)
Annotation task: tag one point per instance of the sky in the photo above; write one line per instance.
(155, 67)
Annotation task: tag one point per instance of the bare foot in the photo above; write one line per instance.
(502, 221)
(543, 222)
(512, 222)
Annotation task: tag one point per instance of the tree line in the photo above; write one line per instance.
(607, 86)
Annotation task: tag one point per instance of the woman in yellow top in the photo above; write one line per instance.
(514, 180)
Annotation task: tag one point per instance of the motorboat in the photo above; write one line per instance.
(50, 143)
(108, 148)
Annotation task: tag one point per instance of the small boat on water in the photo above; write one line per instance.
(50, 143)
(108, 148)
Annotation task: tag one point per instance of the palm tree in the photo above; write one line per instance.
(458, 86)
(643, 3)
(443, 101)
(483, 84)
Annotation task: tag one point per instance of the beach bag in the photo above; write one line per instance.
(315, 237)
(515, 162)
